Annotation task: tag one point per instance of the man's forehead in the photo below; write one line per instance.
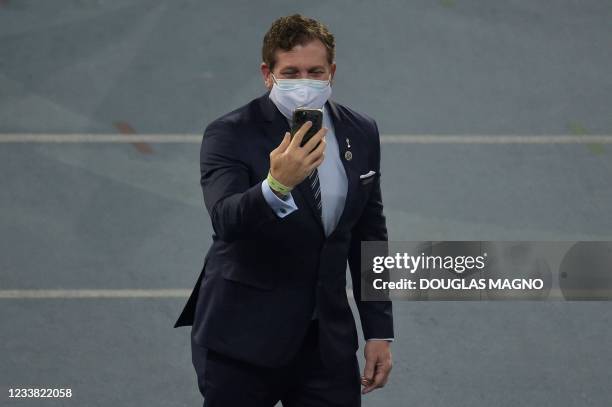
(308, 55)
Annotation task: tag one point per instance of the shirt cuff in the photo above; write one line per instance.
(381, 339)
(281, 207)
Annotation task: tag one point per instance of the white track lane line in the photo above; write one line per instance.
(385, 138)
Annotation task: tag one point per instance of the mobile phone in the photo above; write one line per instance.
(301, 115)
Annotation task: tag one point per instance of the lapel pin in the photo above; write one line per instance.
(348, 144)
(348, 156)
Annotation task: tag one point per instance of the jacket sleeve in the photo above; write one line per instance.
(237, 209)
(376, 316)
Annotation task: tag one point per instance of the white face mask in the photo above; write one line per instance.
(289, 94)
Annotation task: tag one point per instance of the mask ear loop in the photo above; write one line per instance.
(273, 78)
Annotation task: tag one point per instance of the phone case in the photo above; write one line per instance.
(301, 116)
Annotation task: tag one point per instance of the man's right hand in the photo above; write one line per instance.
(290, 164)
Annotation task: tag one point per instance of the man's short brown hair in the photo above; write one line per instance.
(287, 32)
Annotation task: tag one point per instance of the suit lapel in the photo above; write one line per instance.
(342, 130)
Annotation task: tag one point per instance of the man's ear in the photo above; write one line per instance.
(265, 73)
(333, 71)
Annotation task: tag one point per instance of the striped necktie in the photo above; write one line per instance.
(313, 179)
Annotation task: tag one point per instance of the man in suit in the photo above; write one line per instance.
(269, 313)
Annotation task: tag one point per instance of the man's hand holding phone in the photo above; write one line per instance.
(290, 164)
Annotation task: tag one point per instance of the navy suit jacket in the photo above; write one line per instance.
(262, 275)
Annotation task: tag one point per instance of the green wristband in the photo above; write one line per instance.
(277, 186)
